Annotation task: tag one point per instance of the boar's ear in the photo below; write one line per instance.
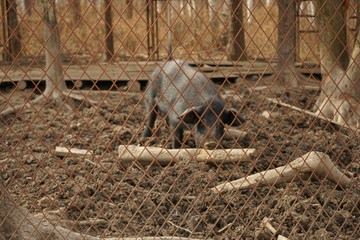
(192, 114)
(231, 117)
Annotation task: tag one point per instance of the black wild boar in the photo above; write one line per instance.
(188, 100)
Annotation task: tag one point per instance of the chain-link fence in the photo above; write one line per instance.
(180, 119)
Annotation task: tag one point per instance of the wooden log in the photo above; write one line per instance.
(317, 163)
(162, 156)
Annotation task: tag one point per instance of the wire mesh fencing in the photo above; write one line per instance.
(179, 119)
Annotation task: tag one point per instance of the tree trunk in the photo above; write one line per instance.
(357, 17)
(287, 75)
(129, 8)
(76, 11)
(340, 90)
(333, 40)
(353, 71)
(55, 83)
(11, 31)
(187, 6)
(237, 45)
(249, 9)
(199, 5)
(160, 6)
(212, 12)
(28, 6)
(109, 37)
(14, 33)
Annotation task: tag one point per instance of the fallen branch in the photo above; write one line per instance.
(306, 87)
(314, 162)
(20, 106)
(316, 115)
(162, 156)
(18, 223)
(43, 98)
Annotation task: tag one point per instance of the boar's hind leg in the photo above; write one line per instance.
(150, 120)
(177, 135)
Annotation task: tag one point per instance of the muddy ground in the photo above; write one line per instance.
(97, 196)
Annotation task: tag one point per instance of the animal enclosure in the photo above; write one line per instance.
(74, 99)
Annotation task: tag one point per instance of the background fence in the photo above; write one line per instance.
(72, 90)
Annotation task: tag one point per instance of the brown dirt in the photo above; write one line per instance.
(105, 199)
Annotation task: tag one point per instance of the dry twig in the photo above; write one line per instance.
(266, 223)
(64, 151)
(316, 115)
(184, 229)
(67, 94)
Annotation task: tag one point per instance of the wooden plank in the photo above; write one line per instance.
(141, 71)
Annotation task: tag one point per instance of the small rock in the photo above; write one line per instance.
(31, 160)
(48, 202)
(266, 114)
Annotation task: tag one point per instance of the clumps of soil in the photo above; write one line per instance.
(96, 195)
